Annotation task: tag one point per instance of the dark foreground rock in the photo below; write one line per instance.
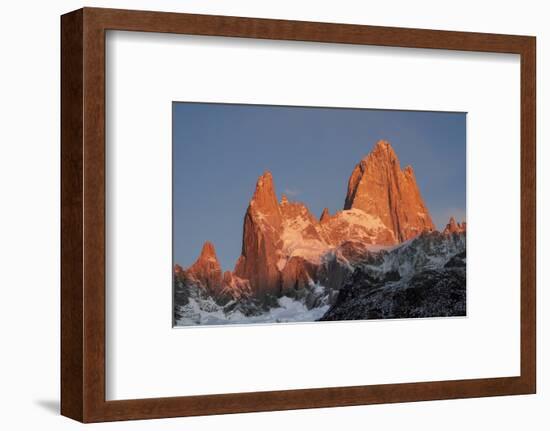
(430, 293)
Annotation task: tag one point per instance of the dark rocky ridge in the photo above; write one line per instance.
(424, 277)
(429, 293)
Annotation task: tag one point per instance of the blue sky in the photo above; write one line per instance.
(219, 150)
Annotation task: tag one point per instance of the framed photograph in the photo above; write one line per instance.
(379, 252)
(267, 215)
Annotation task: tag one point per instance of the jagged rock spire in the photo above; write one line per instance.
(207, 269)
(454, 227)
(380, 188)
(262, 228)
(325, 215)
(264, 201)
(208, 252)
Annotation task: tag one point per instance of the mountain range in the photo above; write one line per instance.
(289, 253)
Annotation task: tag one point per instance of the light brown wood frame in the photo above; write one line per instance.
(83, 214)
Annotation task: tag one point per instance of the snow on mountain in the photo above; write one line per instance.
(431, 250)
(301, 235)
(356, 225)
(286, 310)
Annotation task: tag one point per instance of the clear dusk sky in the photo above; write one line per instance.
(220, 150)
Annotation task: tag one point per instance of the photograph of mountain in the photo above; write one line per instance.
(298, 214)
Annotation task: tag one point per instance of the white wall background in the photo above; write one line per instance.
(29, 216)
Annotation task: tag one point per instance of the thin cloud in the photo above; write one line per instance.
(292, 192)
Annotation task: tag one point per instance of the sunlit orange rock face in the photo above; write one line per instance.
(285, 247)
(206, 270)
(454, 227)
(379, 187)
(262, 231)
(207, 273)
(325, 215)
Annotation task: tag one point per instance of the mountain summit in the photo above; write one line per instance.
(264, 202)
(379, 187)
(206, 269)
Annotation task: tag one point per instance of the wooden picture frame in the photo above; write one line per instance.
(83, 214)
